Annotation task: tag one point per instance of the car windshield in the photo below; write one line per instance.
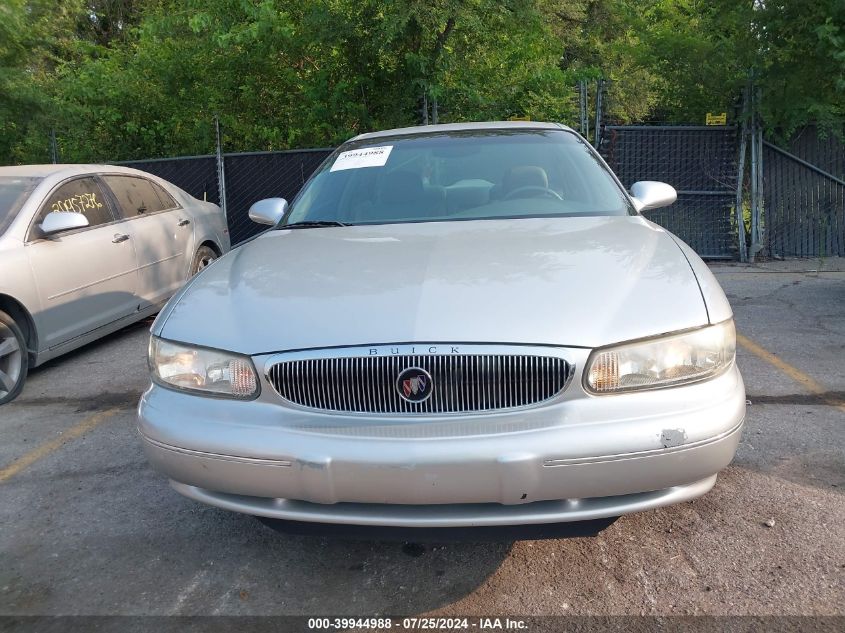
(13, 193)
(465, 175)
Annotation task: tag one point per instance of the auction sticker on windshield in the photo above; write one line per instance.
(365, 157)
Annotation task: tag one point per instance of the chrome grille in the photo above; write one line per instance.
(461, 383)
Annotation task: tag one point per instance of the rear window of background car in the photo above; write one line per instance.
(167, 200)
(135, 196)
(81, 195)
(14, 191)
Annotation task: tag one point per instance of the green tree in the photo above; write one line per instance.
(34, 35)
(800, 63)
(122, 79)
(282, 74)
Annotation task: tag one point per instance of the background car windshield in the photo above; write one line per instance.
(478, 174)
(13, 193)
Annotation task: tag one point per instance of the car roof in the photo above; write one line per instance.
(43, 171)
(458, 127)
(51, 175)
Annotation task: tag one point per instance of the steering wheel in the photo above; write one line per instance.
(542, 191)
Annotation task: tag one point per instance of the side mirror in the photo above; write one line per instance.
(649, 194)
(268, 211)
(57, 221)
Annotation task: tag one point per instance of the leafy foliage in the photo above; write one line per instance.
(121, 79)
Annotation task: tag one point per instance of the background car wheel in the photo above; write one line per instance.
(14, 359)
(205, 255)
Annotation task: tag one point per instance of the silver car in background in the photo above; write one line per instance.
(88, 249)
(456, 326)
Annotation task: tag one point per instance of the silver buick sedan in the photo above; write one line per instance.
(88, 249)
(465, 326)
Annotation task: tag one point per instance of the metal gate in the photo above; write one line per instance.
(699, 162)
(804, 197)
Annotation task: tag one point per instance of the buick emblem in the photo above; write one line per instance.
(414, 384)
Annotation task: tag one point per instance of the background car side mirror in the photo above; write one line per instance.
(268, 211)
(650, 194)
(57, 221)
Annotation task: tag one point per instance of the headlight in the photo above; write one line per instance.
(202, 370)
(669, 360)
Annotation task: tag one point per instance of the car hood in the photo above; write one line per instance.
(586, 281)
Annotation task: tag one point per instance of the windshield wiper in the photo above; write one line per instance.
(310, 224)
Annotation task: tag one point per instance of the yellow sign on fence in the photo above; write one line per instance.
(717, 119)
(519, 118)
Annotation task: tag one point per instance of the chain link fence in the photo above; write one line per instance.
(803, 187)
(195, 174)
(249, 177)
(255, 176)
(699, 162)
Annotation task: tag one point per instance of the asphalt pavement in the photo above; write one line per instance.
(87, 528)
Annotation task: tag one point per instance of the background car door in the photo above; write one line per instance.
(86, 278)
(161, 231)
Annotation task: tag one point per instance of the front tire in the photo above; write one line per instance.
(14, 359)
(205, 255)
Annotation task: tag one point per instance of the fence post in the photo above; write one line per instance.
(583, 107)
(54, 146)
(597, 129)
(740, 181)
(221, 169)
(761, 195)
(754, 179)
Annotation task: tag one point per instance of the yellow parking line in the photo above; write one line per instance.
(796, 374)
(27, 460)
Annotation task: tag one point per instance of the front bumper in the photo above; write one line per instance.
(577, 459)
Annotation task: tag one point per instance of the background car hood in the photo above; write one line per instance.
(565, 281)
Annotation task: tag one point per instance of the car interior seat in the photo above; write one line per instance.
(521, 176)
